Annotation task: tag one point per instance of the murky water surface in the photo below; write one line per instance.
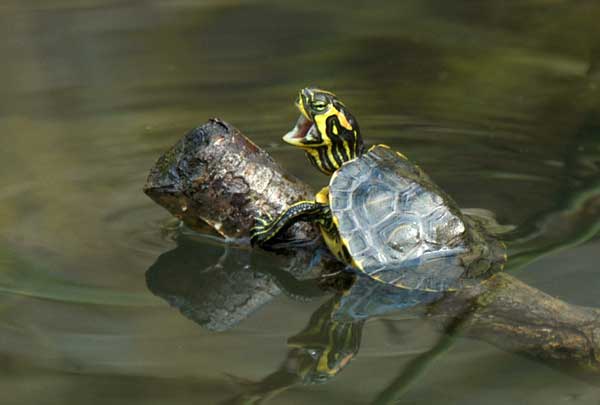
(497, 101)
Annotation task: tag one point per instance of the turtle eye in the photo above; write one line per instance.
(319, 106)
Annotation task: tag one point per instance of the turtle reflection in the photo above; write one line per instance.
(229, 287)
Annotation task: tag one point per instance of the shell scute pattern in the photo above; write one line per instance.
(443, 227)
(397, 225)
(343, 202)
(402, 237)
(347, 223)
(375, 201)
(422, 203)
(358, 243)
(369, 261)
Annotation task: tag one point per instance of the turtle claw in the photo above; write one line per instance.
(260, 221)
(259, 233)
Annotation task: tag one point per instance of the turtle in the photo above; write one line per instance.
(381, 214)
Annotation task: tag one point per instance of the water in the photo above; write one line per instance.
(498, 101)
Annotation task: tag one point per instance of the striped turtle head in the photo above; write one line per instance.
(326, 130)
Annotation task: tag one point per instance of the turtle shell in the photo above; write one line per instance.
(398, 227)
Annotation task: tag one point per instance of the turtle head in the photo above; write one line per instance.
(326, 130)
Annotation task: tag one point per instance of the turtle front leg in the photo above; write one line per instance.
(265, 229)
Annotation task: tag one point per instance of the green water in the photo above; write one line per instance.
(498, 101)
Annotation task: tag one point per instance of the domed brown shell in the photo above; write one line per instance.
(397, 225)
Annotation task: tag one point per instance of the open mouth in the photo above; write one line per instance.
(297, 135)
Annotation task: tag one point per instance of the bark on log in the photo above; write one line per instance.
(519, 318)
(216, 175)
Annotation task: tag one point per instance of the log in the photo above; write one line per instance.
(519, 318)
(216, 176)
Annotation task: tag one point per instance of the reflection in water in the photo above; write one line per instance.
(218, 292)
(215, 291)
(231, 284)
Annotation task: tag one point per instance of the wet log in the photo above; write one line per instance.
(519, 318)
(216, 176)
